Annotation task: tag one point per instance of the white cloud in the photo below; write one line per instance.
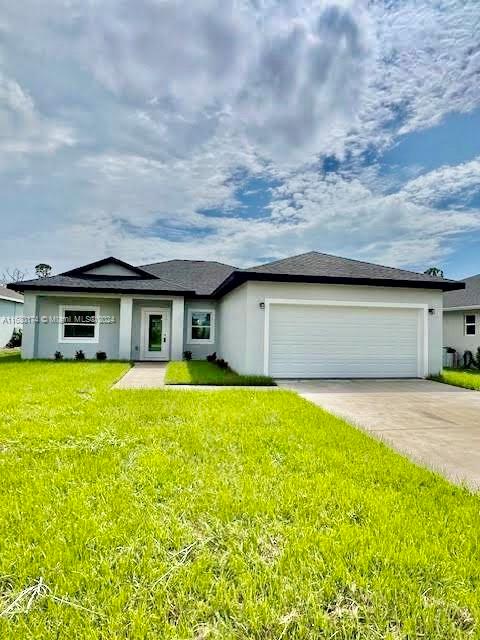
(459, 182)
(23, 130)
(131, 118)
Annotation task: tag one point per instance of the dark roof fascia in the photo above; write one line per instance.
(17, 286)
(237, 278)
(99, 263)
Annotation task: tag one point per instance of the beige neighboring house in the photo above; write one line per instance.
(11, 311)
(461, 317)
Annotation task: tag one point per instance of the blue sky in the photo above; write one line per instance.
(240, 130)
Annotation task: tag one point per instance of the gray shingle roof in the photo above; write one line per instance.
(8, 293)
(105, 284)
(210, 278)
(314, 263)
(468, 297)
(200, 275)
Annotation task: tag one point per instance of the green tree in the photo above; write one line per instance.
(43, 270)
(434, 271)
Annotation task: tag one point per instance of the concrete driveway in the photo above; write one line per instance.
(434, 424)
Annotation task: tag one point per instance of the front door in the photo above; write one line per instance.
(155, 336)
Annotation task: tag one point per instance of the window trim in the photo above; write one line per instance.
(469, 324)
(77, 307)
(210, 340)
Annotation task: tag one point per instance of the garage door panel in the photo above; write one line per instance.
(322, 341)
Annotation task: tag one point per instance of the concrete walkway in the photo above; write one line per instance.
(151, 375)
(434, 424)
(143, 375)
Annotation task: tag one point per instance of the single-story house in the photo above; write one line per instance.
(461, 318)
(311, 315)
(11, 311)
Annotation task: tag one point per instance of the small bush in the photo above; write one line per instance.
(212, 357)
(79, 355)
(187, 355)
(223, 364)
(58, 355)
(101, 355)
(15, 340)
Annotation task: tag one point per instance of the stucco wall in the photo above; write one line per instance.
(47, 341)
(247, 350)
(232, 313)
(9, 312)
(111, 270)
(201, 351)
(454, 331)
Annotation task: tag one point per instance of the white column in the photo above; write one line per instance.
(178, 313)
(125, 331)
(29, 326)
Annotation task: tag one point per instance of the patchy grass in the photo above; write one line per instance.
(203, 372)
(460, 378)
(151, 514)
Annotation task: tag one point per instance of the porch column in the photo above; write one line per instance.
(125, 331)
(29, 328)
(178, 313)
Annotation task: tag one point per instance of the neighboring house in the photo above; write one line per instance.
(11, 312)
(461, 319)
(312, 315)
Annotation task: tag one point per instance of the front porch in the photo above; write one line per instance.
(125, 327)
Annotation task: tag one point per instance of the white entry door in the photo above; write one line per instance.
(155, 334)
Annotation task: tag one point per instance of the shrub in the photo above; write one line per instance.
(223, 364)
(15, 340)
(187, 355)
(101, 355)
(58, 355)
(212, 357)
(79, 355)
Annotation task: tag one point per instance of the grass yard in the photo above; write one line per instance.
(148, 514)
(203, 372)
(10, 353)
(460, 378)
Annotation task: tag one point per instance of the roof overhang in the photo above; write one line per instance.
(93, 291)
(471, 307)
(11, 299)
(239, 277)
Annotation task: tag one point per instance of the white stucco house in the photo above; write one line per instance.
(313, 315)
(11, 311)
(461, 320)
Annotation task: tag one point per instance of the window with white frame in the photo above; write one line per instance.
(470, 324)
(78, 323)
(201, 326)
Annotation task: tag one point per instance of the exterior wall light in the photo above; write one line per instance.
(262, 305)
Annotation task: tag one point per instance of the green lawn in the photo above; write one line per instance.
(203, 372)
(10, 353)
(161, 514)
(460, 378)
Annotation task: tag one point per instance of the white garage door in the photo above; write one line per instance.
(308, 341)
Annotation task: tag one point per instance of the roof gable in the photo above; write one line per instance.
(109, 267)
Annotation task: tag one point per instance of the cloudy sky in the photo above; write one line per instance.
(240, 130)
